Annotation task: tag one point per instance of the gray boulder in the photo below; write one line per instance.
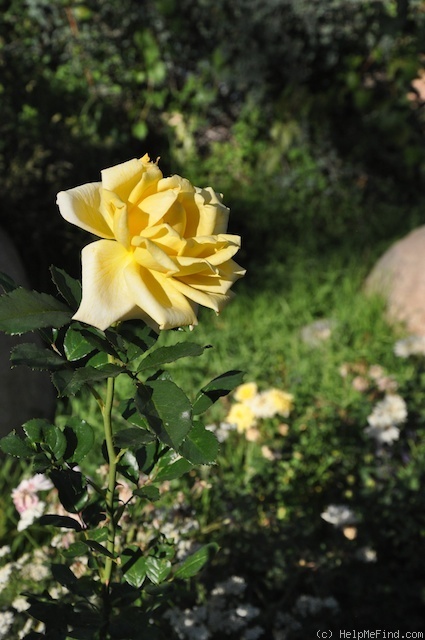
(24, 394)
(399, 276)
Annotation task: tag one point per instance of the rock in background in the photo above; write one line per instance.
(24, 394)
(399, 276)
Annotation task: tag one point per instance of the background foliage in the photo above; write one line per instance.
(302, 113)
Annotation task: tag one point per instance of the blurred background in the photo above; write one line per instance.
(307, 115)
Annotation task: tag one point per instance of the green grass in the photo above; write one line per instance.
(260, 330)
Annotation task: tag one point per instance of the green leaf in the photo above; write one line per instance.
(99, 535)
(136, 332)
(71, 488)
(36, 357)
(149, 492)
(167, 410)
(196, 561)
(174, 470)
(68, 382)
(130, 413)
(34, 429)
(13, 445)
(68, 287)
(169, 354)
(157, 569)
(133, 437)
(133, 566)
(75, 345)
(75, 550)
(22, 310)
(63, 574)
(99, 548)
(94, 513)
(200, 446)
(147, 456)
(55, 440)
(41, 463)
(6, 283)
(60, 521)
(129, 467)
(99, 340)
(80, 439)
(98, 360)
(220, 386)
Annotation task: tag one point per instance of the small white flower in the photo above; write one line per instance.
(310, 605)
(235, 585)
(316, 332)
(35, 568)
(6, 621)
(4, 551)
(383, 435)
(412, 345)
(339, 515)
(247, 611)
(385, 418)
(389, 412)
(5, 573)
(30, 515)
(366, 554)
(26, 629)
(20, 604)
(222, 430)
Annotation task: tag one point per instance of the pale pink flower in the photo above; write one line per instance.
(360, 383)
(30, 515)
(25, 496)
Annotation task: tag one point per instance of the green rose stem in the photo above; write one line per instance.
(110, 496)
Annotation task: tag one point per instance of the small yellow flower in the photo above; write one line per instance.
(242, 416)
(245, 391)
(163, 250)
(270, 403)
(281, 401)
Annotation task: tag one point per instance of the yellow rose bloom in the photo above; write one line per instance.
(245, 392)
(242, 416)
(163, 250)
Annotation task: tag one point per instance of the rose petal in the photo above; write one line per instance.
(157, 205)
(189, 266)
(149, 255)
(80, 206)
(213, 248)
(212, 216)
(114, 210)
(122, 178)
(176, 182)
(219, 282)
(222, 212)
(105, 295)
(212, 300)
(166, 237)
(147, 184)
(159, 299)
